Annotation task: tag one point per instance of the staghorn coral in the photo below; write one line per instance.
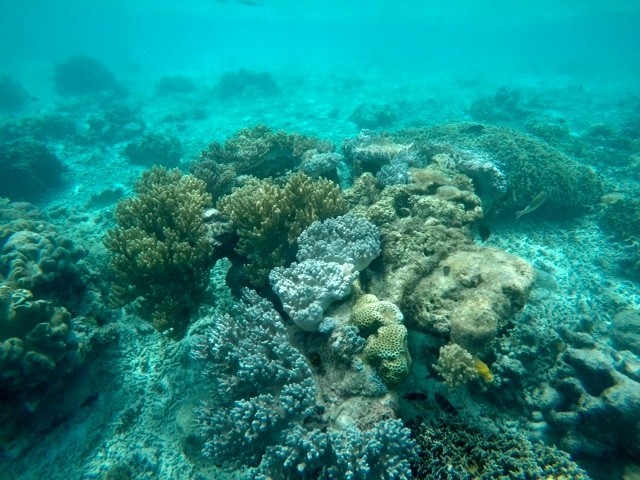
(262, 383)
(454, 450)
(269, 218)
(159, 249)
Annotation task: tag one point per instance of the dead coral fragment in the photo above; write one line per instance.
(160, 250)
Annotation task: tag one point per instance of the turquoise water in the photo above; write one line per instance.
(489, 149)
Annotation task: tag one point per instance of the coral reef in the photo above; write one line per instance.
(117, 122)
(592, 400)
(502, 107)
(29, 170)
(269, 218)
(13, 96)
(244, 83)
(530, 166)
(265, 413)
(155, 149)
(160, 250)
(43, 128)
(84, 75)
(371, 151)
(620, 216)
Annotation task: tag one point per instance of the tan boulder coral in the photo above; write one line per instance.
(469, 296)
(386, 348)
(369, 314)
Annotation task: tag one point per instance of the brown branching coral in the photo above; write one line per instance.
(268, 218)
(160, 250)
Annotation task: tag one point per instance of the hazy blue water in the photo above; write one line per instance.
(498, 37)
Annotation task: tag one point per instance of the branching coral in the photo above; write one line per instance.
(452, 449)
(269, 218)
(160, 250)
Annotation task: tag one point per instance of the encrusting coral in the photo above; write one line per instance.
(268, 218)
(160, 250)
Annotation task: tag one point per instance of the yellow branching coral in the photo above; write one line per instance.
(268, 218)
(159, 249)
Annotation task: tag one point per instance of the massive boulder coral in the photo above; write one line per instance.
(538, 177)
(29, 170)
(268, 219)
(38, 346)
(36, 260)
(469, 297)
(160, 249)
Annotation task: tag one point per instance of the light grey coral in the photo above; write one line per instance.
(307, 288)
(345, 239)
(330, 255)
